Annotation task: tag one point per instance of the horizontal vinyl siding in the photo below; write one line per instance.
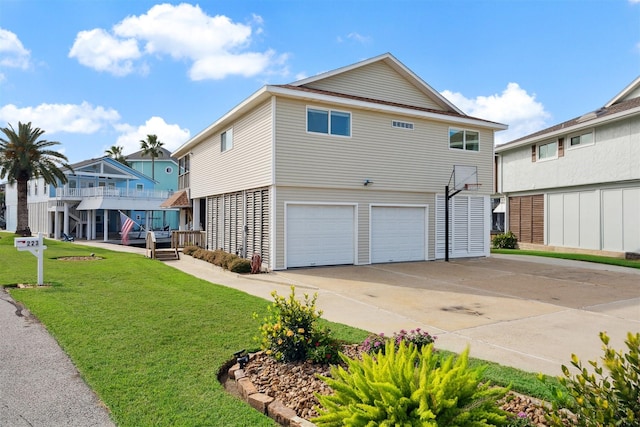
(377, 81)
(393, 158)
(246, 165)
(362, 197)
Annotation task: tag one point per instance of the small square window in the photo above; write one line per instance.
(226, 140)
(340, 123)
(317, 121)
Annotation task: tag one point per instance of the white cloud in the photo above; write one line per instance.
(215, 45)
(355, 37)
(101, 51)
(634, 1)
(12, 52)
(70, 118)
(513, 107)
(172, 136)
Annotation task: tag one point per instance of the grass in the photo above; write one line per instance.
(150, 339)
(578, 257)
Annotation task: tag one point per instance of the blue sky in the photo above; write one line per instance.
(97, 73)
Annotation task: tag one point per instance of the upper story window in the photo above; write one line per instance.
(581, 140)
(462, 139)
(226, 140)
(184, 164)
(330, 122)
(139, 187)
(548, 151)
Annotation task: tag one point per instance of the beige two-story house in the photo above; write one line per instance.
(346, 167)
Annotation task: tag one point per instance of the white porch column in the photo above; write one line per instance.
(196, 214)
(65, 220)
(105, 224)
(56, 225)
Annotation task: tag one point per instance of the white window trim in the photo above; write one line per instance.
(573, 135)
(229, 133)
(539, 159)
(328, 110)
(464, 148)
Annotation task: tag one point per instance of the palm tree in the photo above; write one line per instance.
(115, 152)
(23, 156)
(152, 147)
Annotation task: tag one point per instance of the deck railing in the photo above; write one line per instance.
(182, 238)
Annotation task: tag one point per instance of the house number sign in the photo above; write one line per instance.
(36, 247)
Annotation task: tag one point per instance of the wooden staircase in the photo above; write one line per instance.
(160, 254)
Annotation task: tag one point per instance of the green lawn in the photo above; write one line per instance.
(578, 257)
(150, 339)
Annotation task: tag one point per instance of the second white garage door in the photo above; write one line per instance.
(320, 235)
(398, 234)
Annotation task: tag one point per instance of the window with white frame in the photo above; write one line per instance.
(330, 122)
(226, 140)
(581, 140)
(462, 139)
(548, 151)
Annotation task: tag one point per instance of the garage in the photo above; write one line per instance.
(398, 233)
(319, 235)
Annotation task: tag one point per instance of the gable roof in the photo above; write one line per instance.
(398, 66)
(138, 156)
(298, 90)
(623, 105)
(96, 167)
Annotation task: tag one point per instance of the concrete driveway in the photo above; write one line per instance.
(527, 312)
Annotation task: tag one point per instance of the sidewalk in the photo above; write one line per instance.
(39, 385)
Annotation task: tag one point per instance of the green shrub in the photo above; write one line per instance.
(240, 265)
(289, 329)
(407, 387)
(600, 399)
(506, 240)
(324, 349)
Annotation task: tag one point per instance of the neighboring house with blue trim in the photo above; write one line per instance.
(87, 205)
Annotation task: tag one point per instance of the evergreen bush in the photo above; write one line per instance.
(409, 387)
(506, 240)
(600, 398)
(240, 265)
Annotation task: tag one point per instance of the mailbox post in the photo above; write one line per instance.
(36, 247)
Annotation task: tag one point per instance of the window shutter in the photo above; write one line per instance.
(560, 147)
(533, 153)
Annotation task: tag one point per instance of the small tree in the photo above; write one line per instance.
(23, 156)
(152, 147)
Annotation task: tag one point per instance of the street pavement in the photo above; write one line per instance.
(527, 312)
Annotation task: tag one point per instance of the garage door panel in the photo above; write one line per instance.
(320, 235)
(398, 234)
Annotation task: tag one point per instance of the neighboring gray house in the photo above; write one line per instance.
(577, 184)
(347, 167)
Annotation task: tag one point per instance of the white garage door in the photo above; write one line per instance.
(320, 235)
(398, 234)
